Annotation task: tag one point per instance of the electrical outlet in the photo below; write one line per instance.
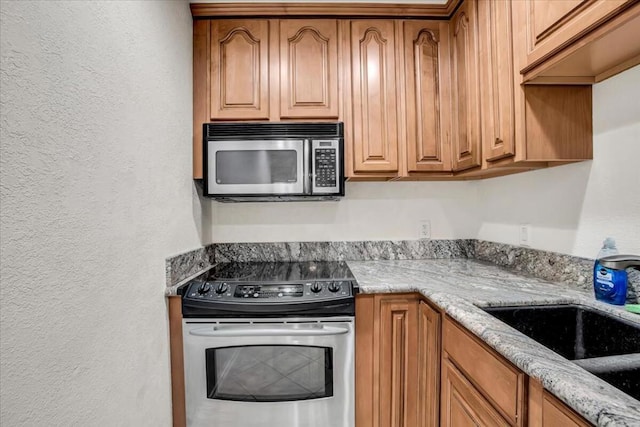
(424, 229)
(525, 234)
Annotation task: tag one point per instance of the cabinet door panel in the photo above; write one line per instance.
(462, 404)
(547, 14)
(398, 361)
(425, 45)
(428, 366)
(309, 69)
(497, 80)
(487, 370)
(239, 69)
(374, 87)
(465, 97)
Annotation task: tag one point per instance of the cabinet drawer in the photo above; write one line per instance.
(500, 382)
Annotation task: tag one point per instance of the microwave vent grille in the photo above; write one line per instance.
(216, 131)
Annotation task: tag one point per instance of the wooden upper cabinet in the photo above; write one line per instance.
(426, 73)
(497, 79)
(309, 69)
(553, 24)
(577, 41)
(240, 69)
(465, 132)
(374, 102)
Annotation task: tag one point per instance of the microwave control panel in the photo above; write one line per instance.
(326, 166)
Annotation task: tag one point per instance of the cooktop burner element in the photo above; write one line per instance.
(271, 289)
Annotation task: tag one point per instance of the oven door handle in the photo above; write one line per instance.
(259, 331)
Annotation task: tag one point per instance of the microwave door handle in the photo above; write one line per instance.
(306, 164)
(253, 331)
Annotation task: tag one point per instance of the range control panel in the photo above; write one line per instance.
(253, 293)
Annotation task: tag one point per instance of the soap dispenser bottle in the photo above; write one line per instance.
(609, 285)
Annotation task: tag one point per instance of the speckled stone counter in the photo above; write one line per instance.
(461, 286)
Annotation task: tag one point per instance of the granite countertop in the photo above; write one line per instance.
(461, 286)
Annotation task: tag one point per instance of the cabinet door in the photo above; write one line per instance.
(545, 410)
(497, 79)
(553, 24)
(239, 69)
(428, 366)
(374, 96)
(309, 69)
(465, 98)
(387, 360)
(398, 361)
(462, 404)
(426, 49)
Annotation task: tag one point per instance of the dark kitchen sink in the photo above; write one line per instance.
(627, 380)
(604, 345)
(573, 331)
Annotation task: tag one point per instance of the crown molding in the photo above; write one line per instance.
(355, 10)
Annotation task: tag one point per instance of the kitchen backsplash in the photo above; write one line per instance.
(344, 251)
(183, 266)
(533, 262)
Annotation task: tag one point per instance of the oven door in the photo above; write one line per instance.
(275, 373)
(257, 167)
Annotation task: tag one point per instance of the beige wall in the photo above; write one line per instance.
(572, 208)
(370, 211)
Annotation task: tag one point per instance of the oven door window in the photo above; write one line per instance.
(269, 373)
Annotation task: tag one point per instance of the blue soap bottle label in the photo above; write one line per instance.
(610, 286)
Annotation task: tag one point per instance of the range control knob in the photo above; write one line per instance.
(222, 288)
(334, 286)
(316, 287)
(204, 288)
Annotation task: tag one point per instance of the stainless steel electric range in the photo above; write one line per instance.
(270, 344)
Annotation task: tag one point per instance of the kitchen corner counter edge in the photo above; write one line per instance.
(460, 287)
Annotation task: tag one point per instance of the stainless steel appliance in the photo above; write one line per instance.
(270, 344)
(273, 161)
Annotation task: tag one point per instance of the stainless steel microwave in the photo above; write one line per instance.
(273, 161)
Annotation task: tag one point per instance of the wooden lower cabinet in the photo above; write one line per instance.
(545, 410)
(429, 352)
(462, 404)
(416, 367)
(397, 361)
(495, 378)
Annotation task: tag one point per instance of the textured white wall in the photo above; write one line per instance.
(572, 208)
(95, 193)
(370, 211)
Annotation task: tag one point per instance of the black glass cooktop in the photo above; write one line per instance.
(279, 271)
(260, 289)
